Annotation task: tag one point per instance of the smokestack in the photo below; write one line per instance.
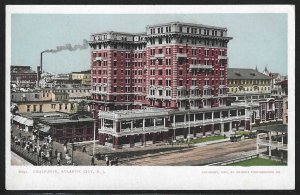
(41, 62)
(38, 76)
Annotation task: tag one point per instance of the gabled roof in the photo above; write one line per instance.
(244, 73)
(284, 82)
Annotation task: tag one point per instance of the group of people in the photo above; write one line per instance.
(43, 148)
(110, 162)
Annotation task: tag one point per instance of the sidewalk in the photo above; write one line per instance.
(212, 142)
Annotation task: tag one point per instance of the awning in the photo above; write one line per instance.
(23, 120)
(44, 128)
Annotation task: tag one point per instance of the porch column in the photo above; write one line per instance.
(203, 117)
(212, 116)
(143, 124)
(230, 126)
(174, 134)
(257, 145)
(174, 120)
(269, 144)
(222, 128)
(194, 118)
(164, 122)
(154, 121)
(194, 132)
(131, 124)
(184, 118)
(117, 126)
(115, 142)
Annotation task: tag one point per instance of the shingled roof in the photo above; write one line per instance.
(244, 73)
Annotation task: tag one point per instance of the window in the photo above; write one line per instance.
(168, 50)
(60, 106)
(180, 83)
(160, 40)
(168, 82)
(168, 61)
(66, 106)
(159, 82)
(160, 72)
(159, 61)
(34, 108)
(168, 72)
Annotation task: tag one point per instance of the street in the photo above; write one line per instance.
(196, 155)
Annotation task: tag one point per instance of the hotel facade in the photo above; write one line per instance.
(163, 84)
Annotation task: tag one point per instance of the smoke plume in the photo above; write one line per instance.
(68, 47)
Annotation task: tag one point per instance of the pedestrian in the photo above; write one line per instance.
(106, 160)
(65, 148)
(55, 153)
(93, 161)
(50, 153)
(83, 149)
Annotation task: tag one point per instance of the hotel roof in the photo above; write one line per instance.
(244, 73)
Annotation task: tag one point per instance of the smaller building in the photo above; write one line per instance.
(71, 128)
(285, 110)
(282, 88)
(23, 77)
(83, 76)
(43, 101)
(59, 125)
(243, 81)
(272, 142)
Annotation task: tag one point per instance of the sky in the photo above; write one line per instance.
(258, 39)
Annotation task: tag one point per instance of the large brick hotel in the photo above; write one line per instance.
(167, 83)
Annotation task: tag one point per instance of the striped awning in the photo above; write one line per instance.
(23, 120)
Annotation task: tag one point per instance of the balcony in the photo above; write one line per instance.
(98, 59)
(207, 87)
(181, 55)
(222, 86)
(207, 121)
(161, 55)
(158, 97)
(222, 57)
(200, 66)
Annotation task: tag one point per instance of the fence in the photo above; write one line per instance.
(29, 156)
